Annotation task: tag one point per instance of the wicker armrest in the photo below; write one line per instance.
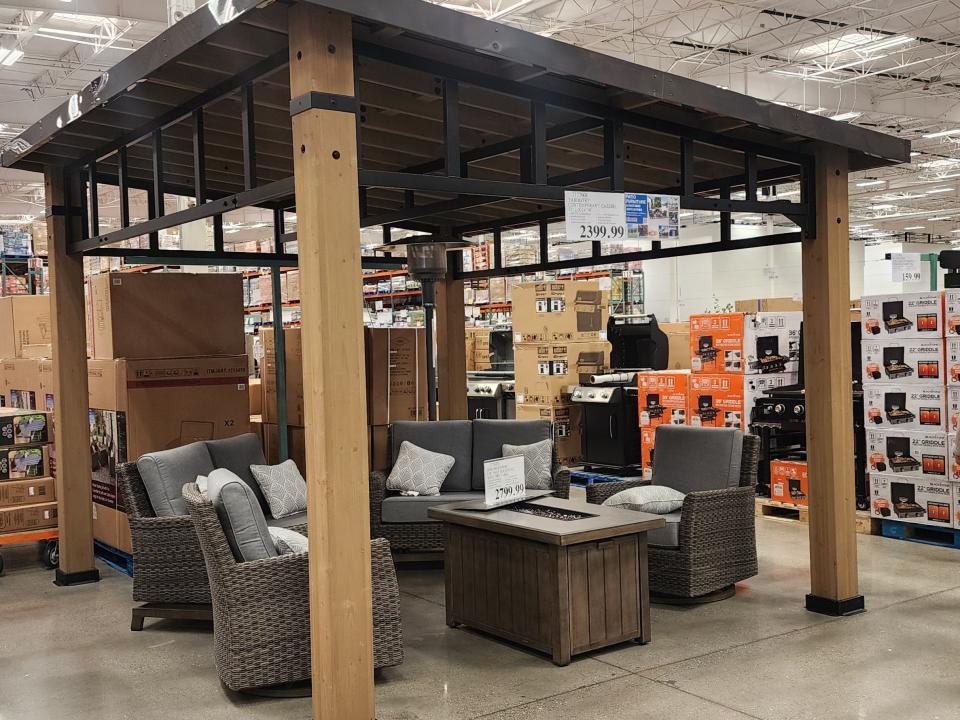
(710, 515)
(157, 524)
(266, 578)
(561, 482)
(598, 492)
(378, 491)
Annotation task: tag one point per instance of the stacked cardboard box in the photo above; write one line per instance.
(907, 408)
(27, 491)
(559, 342)
(664, 400)
(788, 481)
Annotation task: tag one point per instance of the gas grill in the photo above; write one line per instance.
(893, 318)
(769, 359)
(894, 405)
(893, 364)
(705, 348)
(898, 455)
(485, 395)
(905, 503)
(610, 435)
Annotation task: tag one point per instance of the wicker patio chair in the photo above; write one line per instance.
(717, 541)
(261, 609)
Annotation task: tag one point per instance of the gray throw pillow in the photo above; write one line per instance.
(283, 487)
(657, 499)
(537, 463)
(418, 470)
(289, 541)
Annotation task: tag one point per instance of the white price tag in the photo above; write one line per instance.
(905, 267)
(594, 215)
(504, 480)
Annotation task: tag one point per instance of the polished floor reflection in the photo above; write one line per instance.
(70, 654)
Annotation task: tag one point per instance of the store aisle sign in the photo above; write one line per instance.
(504, 480)
(906, 267)
(619, 216)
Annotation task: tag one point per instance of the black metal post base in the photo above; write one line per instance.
(66, 579)
(836, 608)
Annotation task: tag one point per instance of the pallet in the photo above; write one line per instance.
(583, 478)
(765, 507)
(117, 559)
(925, 534)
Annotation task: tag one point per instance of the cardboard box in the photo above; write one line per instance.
(379, 437)
(905, 407)
(761, 343)
(781, 304)
(754, 386)
(396, 361)
(716, 401)
(678, 342)
(907, 360)
(296, 445)
(907, 453)
(951, 312)
(954, 467)
(20, 380)
(256, 395)
(293, 352)
(662, 397)
(158, 315)
(24, 320)
(567, 420)
(28, 517)
(25, 463)
(560, 311)
(904, 315)
(47, 379)
(545, 372)
(716, 343)
(648, 442)
(140, 406)
(910, 500)
(27, 492)
(788, 481)
(952, 352)
(23, 427)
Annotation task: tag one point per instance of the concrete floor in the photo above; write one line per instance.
(69, 654)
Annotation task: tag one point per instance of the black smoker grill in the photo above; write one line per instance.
(898, 455)
(894, 404)
(705, 348)
(893, 364)
(893, 318)
(904, 497)
(769, 359)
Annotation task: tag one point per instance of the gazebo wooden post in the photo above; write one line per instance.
(829, 400)
(71, 421)
(328, 231)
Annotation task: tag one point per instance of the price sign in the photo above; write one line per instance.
(504, 480)
(906, 267)
(594, 215)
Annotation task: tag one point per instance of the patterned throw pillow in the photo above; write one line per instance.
(419, 470)
(537, 463)
(283, 487)
(657, 499)
(288, 541)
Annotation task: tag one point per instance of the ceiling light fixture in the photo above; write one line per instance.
(939, 217)
(914, 227)
(870, 182)
(846, 116)
(9, 52)
(939, 190)
(942, 133)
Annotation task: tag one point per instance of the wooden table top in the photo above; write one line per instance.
(603, 522)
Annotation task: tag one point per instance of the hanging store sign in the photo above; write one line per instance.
(620, 216)
(905, 267)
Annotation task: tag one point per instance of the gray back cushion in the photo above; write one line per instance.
(689, 459)
(449, 437)
(164, 474)
(489, 437)
(237, 454)
(241, 517)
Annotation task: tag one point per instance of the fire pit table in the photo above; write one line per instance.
(559, 576)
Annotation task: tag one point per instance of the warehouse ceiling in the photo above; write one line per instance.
(891, 65)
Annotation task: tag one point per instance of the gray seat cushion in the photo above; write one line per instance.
(413, 509)
(241, 517)
(669, 534)
(489, 437)
(289, 521)
(237, 454)
(449, 437)
(164, 474)
(691, 459)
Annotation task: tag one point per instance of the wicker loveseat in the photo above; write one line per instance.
(261, 609)
(404, 520)
(710, 543)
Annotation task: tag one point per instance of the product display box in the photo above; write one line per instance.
(20, 383)
(24, 321)
(28, 517)
(678, 343)
(909, 454)
(293, 352)
(23, 427)
(567, 423)
(908, 360)
(560, 311)
(739, 343)
(545, 372)
(663, 397)
(27, 492)
(904, 315)
(952, 351)
(716, 343)
(158, 315)
(716, 401)
(905, 407)
(951, 312)
(396, 361)
(140, 406)
(954, 466)
(25, 463)
(919, 501)
(788, 481)
(296, 445)
(754, 386)
(648, 442)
